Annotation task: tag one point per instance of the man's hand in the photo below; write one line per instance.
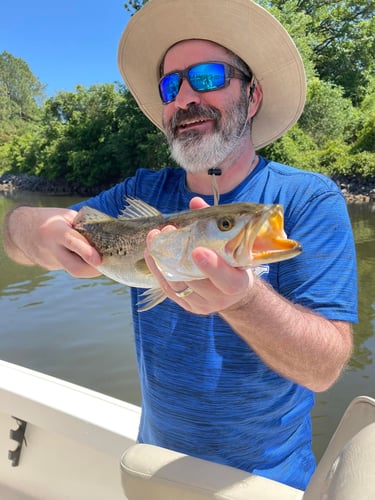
(223, 286)
(45, 237)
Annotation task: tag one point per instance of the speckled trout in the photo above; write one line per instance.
(244, 234)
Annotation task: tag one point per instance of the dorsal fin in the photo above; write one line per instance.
(137, 208)
(87, 215)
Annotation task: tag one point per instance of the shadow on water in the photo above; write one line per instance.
(81, 330)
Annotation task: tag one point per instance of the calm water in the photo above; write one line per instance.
(81, 330)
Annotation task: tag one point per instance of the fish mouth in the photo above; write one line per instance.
(264, 241)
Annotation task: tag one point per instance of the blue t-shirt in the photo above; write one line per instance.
(205, 392)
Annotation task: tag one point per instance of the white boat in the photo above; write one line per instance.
(62, 441)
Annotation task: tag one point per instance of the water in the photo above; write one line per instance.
(81, 330)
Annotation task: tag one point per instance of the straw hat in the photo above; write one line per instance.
(241, 26)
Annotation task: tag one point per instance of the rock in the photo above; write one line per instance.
(11, 183)
(355, 189)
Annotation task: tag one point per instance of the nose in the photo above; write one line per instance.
(186, 96)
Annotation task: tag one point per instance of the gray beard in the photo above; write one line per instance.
(198, 153)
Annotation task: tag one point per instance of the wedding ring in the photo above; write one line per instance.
(184, 293)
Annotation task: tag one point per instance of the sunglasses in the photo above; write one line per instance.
(202, 77)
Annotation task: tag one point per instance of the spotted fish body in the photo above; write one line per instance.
(243, 234)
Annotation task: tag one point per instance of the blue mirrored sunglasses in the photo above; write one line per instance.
(202, 77)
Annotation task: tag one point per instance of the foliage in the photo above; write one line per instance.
(345, 43)
(20, 94)
(134, 5)
(340, 34)
(92, 137)
(327, 114)
(96, 136)
(366, 133)
(294, 148)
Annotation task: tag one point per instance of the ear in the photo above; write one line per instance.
(255, 98)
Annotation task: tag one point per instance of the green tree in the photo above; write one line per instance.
(345, 44)
(327, 115)
(78, 127)
(21, 94)
(92, 137)
(366, 131)
(341, 36)
(96, 136)
(297, 23)
(138, 142)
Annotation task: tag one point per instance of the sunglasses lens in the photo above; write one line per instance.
(169, 87)
(202, 78)
(207, 76)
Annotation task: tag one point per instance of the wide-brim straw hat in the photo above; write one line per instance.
(243, 27)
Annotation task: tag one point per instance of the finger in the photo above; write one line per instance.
(75, 266)
(155, 232)
(77, 244)
(197, 203)
(229, 280)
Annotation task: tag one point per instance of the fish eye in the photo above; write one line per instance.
(225, 223)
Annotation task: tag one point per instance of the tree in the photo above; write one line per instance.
(95, 136)
(77, 135)
(345, 49)
(341, 36)
(327, 115)
(21, 93)
(91, 138)
(134, 5)
(366, 131)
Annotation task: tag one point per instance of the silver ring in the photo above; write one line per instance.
(184, 293)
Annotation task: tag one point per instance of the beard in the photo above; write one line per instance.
(197, 152)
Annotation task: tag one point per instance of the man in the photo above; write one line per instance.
(229, 364)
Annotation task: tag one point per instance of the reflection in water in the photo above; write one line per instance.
(363, 222)
(17, 289)
(78, 330)
(359, 377)
(81, 331)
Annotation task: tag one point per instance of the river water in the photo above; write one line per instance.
(81, 330)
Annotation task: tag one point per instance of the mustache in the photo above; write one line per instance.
(193, 112)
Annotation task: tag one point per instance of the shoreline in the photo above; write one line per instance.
(354, 189)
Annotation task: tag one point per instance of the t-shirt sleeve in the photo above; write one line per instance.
(111, 201)
(324, 276)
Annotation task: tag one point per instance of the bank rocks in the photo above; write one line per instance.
(355, 189)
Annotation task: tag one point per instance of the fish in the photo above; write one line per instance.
(245, 235)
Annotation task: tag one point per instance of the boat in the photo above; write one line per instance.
(62, 441)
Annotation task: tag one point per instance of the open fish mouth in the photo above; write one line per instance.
(264, 241)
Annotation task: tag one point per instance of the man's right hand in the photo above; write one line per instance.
(45, 237)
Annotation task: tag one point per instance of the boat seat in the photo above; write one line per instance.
(345, 472)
